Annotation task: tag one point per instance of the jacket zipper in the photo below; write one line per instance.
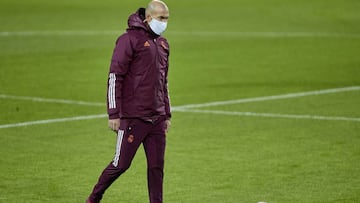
(161, 88)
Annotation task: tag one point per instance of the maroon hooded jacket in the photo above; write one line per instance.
(137, 85)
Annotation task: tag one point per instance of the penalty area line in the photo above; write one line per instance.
(270, 115)
(191, 107)
(268, 98)
(56, 120)
(216, 112)
(214, 103)
(60, 101)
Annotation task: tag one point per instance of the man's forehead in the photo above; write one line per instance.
(162, 12)
(160, 8)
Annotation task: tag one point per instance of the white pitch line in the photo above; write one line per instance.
(188, 108)
(267, 34)
(61, 101)
(270, 115)
(231, 113)
(242, 34)
(215, 103)
(267, 98)
(57, 120)
(35, 33)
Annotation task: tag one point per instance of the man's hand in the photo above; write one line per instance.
(114, 124)
(168, 124)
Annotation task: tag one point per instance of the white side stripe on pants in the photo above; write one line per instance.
(111, 91)
(118, 148)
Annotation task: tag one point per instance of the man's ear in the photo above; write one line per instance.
(147, 18)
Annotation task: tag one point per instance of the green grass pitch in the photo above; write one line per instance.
(297, 149)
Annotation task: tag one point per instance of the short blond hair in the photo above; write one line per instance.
(154, 5)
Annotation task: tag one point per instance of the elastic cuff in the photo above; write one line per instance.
(114, 116)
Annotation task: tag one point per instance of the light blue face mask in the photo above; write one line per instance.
(157, 26)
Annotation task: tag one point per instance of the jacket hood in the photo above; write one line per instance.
(136, 20)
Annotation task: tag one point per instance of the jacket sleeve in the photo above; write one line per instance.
(121, 58)
(167, 102)
(166, 91)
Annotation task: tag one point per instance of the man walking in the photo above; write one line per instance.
(138, 101)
